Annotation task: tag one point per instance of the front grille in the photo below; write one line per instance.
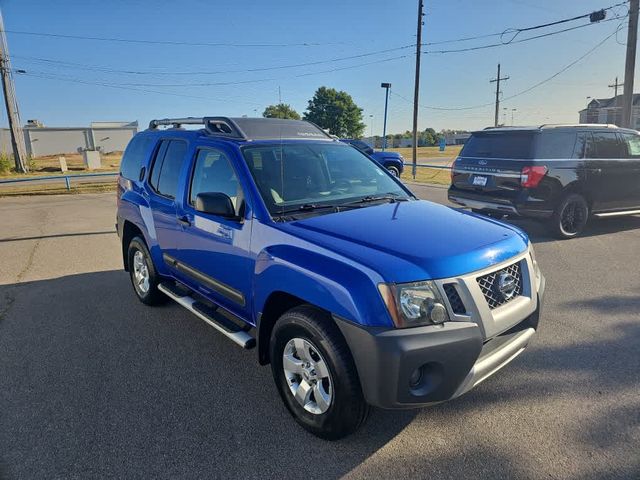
(454, 299)
(489, 286)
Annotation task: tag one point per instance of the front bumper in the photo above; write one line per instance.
(453, 357)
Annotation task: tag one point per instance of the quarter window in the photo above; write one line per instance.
(633, 144)
(133, 157)
(213, 173)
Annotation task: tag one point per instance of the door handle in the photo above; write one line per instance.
(184, 221)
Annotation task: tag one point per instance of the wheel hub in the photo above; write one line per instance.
(140, 272)
(307, 375)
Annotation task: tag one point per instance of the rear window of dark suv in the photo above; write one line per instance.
(502, 145)
(521, 145)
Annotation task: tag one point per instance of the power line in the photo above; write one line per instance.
(522, 40)
(167, 42)
(519, 30)
(527, 90)
(213, 84)
(217, 72)
(159, 92)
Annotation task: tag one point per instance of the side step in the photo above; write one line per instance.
(617, 214)
(209, 315)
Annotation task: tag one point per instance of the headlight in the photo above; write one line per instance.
(413, 304)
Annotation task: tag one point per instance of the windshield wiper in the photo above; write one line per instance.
(312, 207)
(391, 197)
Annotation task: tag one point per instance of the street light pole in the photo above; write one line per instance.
(512, 110)
(371, 130)
(386, 86)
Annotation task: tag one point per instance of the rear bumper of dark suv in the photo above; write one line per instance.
(523, 204)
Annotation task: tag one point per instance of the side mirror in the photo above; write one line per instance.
(369, 151)
(215, 203)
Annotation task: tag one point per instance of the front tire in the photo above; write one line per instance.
(315, 374)
(570, 217)
(395, 171)
(144, 278)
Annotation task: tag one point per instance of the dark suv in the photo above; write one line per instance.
(560, 173)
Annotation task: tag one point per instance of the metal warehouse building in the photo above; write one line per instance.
(40, 140)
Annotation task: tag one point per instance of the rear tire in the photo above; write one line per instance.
(395, 171)
(570, 217)
(144, 278)
(315, 374)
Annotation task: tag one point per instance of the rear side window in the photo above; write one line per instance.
(504, 145)
(607, 145)
(555, 145)
(633, 144)
(167, 167)
(134, 157)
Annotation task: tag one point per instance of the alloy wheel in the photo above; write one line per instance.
(307, 375)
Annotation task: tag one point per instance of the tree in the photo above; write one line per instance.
(281, 110)
(335, 111)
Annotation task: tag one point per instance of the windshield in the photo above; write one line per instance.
(291, 176)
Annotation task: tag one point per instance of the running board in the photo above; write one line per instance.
(209, 314)
(617, 214)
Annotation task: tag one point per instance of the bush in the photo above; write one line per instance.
(6, 163)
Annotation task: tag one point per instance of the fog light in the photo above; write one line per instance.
(415, 378)
(438, 313)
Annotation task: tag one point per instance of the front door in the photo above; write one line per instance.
(213, 252)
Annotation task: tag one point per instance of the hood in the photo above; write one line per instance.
(414, 240)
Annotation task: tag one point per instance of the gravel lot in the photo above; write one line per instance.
(95, 385)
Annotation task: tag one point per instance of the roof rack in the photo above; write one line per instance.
(221, 126)
(577, 125)
(248, 129)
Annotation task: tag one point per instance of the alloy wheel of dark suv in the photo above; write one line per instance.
(571, 216)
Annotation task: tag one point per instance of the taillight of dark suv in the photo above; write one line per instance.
(530, 176)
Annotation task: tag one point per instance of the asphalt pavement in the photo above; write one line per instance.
(95, 385)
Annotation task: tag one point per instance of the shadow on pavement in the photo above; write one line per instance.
(94, 384)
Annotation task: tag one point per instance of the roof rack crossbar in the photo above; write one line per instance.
(219, 126)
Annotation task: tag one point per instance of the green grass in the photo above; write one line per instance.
(450, 152)
(428, 175)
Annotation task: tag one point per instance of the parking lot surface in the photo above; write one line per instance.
(95, 385)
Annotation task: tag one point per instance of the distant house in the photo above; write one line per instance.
(609, 110)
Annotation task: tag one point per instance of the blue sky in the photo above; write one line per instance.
(76, 94)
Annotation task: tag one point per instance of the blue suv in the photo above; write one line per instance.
(357, 293)
(392, 161)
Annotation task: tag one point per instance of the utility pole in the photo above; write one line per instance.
(630, 65)
(416, 92)
(386, 86)
(17, 135)
(497, 81)
(617, 113)
(279, 95)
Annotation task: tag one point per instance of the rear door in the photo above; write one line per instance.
(490, 163)
(164, 181)
(632, 167)
(605, 153)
